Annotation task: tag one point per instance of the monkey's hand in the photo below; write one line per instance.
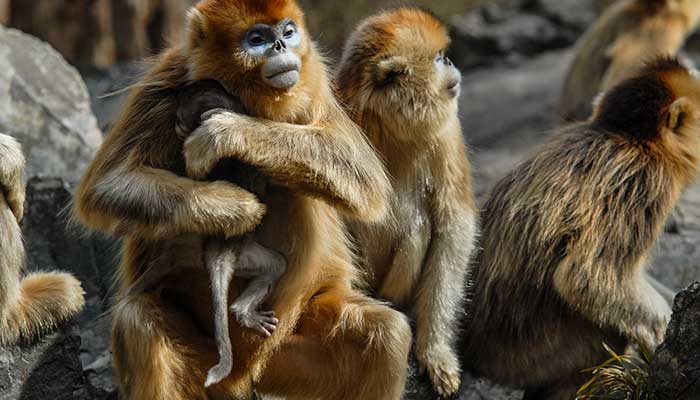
(442, 365)
(11, 171)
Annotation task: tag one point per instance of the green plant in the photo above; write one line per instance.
(621, 377)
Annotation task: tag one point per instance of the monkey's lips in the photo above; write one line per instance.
(284, 79)
(454, 89)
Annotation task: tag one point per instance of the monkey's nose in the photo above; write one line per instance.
(279, 46)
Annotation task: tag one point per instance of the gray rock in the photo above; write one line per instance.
(577, 14)
(44, 104)
(675, 370)
(109, 90)
(48, 369)
(512, 107)
(493, 35)
(73, 363)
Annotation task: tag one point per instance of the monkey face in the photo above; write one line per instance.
(256, 49)
(395, 65)
(275, 48)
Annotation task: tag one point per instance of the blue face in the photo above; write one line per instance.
(265, 40)
(276, 49)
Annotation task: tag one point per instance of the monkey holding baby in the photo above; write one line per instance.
(146, 185)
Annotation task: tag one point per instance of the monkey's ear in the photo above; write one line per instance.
(388, 70)
(196, 28)
(678, 113)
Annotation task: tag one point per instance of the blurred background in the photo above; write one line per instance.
(64, 65)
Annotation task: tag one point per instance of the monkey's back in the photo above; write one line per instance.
(591, 60)
(589, 200)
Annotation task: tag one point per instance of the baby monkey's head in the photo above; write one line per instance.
(394, 65)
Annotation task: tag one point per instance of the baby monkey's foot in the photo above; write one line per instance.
(262, 321)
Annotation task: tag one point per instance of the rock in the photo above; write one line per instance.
(575, 14)
(44, 104)
(675, 370)
(109, 90)
(73, 363)
(48, 369)
(511, 107)
(99, 32)
(50, 245)
(492, 35)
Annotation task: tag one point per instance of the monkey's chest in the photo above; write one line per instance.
(404, 243)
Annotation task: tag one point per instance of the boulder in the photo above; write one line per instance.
(45, 105)
(675, 370)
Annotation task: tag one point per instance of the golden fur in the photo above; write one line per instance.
(320, 162)
(567, 236)
(394, 89)
(35, 304)
(629, 33)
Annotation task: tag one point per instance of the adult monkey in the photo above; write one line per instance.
(299, 136)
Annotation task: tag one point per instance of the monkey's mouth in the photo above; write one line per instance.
(284, 79)
(454, 88)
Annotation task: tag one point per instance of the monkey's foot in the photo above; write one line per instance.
(219, 372)
(262, 321)
(443, 370)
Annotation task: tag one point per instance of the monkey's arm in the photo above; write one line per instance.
(11, 171)
(442, 283)
(156, 203)
(611, 298)
(331, 160)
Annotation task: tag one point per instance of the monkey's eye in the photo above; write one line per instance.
(256, 38)
(440, 57)
(290, 30)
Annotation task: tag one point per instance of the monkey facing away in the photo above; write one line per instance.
(628, 33)
(319, 164)
(29, 306)
(402, 90)
(567, 236)
(243, 257)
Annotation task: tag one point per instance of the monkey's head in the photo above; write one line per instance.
(256, 49)
(394, 64)
(659, 109)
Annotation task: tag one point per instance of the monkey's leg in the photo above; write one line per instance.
(440, 297)
(266, 267)
(40, 301)
(220, 260)
(11, 171)
(347, 347)
(158, 352)
(157, 204)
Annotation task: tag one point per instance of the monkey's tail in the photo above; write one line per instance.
(45, 300)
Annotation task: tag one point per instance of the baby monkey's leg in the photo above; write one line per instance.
(221, 258)
(265, 267)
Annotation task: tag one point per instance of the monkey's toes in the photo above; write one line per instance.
(446, 383)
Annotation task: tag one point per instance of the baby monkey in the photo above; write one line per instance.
(223, 258)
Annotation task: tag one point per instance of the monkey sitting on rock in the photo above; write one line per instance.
(567, 236)
(243, 256)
